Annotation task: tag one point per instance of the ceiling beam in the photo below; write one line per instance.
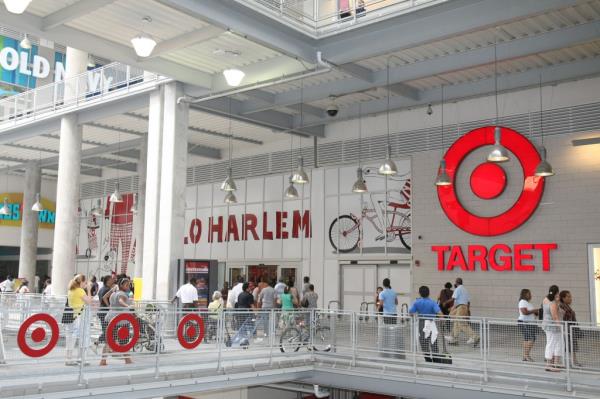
(250, 24)
(185, 40)
(457, 61)
(509, 82)
(429, 24)
(404, 90)
(358, 71)
(115, 128)
(308, 109)
(74, 11)
(261, 95)
(101, 47)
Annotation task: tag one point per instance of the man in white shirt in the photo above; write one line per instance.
(8, 285)
(232, 297)
(188, 295)
(461, 310)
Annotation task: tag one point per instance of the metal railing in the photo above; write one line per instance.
(108, 81)
(155, 336)
(320, 18)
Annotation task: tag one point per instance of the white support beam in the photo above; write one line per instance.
(308, 109)
(184, 40)
(74, 11)
(358, 71)
(404, 90)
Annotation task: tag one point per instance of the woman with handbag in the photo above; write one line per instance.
(77, 297)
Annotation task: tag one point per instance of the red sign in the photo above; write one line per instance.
(489, 180)
(38, 335)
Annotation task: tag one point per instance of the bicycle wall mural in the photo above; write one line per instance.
(328, 220)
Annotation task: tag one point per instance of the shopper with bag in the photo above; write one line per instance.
(78, 296)
(428, 333)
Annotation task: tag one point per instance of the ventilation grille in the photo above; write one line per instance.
(104, 188)
(557, 121)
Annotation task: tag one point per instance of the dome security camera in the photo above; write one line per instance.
(332, 108)
(429, 109)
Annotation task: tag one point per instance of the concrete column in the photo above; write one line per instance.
(141, 204)
(152, 192)
(172, 190)
(67, 186)
(29, 225)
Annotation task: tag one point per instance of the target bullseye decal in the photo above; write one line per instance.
(488, 181)
(38, 335)
(190, 331)
(117, 333)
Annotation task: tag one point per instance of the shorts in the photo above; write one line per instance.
(528, 330)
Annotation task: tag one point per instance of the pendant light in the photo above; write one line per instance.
(300, 176)
(359, 186)
(498, 152)
(229, 184)
(388, 167)
(230, 198)
(233, 76)
(25, 43)
(134, 207)
(442, 178)
(37, 207)
(143, 43)
(116, 196)
(16, 6)
(544, 169)
(90, 61)
(5, 210)
(291, 191)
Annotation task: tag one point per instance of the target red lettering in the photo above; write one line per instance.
(190, 331)
(119, 328)
(38, 335)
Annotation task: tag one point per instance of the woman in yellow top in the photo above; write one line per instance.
(77, 297)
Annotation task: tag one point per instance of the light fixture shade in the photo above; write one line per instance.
(143, 44)
(300, 176)
(97, 210)
(5, 210)
(37, 207)
(498, 152)
(442, 178)
(25, 43)
(228, 184)
(16, 6)
(360, 186)
(233, 76)
(134, 207)
(544, 169)
(230, 198)
(291, 191)
(116, 196)
(388, 167)
(90, 62)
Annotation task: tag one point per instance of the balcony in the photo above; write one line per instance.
(322, 18)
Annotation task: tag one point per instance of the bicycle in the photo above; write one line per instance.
(345, 230)
(295, 336)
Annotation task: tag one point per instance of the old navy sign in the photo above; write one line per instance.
(487, 182)
(279, 225)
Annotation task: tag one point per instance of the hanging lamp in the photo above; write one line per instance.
(230, 198)
(388, 167)
(25, 43)
(300, 176)
(229, 184)
(116, 196)
(37, 206)
(543, 169)
(291, 191)
(498, 153)
(5, 210)
(359, 186)
(143, 43)
(443, 179)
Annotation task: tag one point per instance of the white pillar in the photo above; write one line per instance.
(172, 190)
(141, 210)
(152, 193)
(67, 185)
(29, 225)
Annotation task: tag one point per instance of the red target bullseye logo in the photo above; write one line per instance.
(190, 331)
(38, 335)
(488, 181)
(117, 333)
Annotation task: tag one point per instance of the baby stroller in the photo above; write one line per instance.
(148, 337)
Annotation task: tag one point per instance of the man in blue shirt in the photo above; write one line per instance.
(425, 306)
(461, 311)
(390, 301)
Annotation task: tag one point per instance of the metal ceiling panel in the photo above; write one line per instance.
(45, 7)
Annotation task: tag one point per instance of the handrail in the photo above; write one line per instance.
(109, 80)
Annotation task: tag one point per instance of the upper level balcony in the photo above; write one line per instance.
(321, 18)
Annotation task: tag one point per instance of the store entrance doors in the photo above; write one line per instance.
(255, 272)
(594, 267)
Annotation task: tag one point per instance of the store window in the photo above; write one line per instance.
(594, 263)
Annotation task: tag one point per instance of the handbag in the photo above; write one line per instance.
(68, 315)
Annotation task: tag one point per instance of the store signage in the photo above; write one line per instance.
(487, 182)
(12, 60)
(46, 217)
(279, 225)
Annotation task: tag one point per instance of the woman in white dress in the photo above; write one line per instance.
(552, 328)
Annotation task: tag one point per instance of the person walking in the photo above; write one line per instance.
(287, 302)
(461, 311)
(8, 285)
(389, 301)
(527, 316)
(214, 309)
(107, 284)
(305, 286)
(78, 296)
(566, 313)
(279, 289)
(294, 292)
(118, 299)
(551, 325)
(266, 302)
(187, 295)
(378, 302)
(24, 288)
(445, 302)
(427, 309)
(232, 296)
